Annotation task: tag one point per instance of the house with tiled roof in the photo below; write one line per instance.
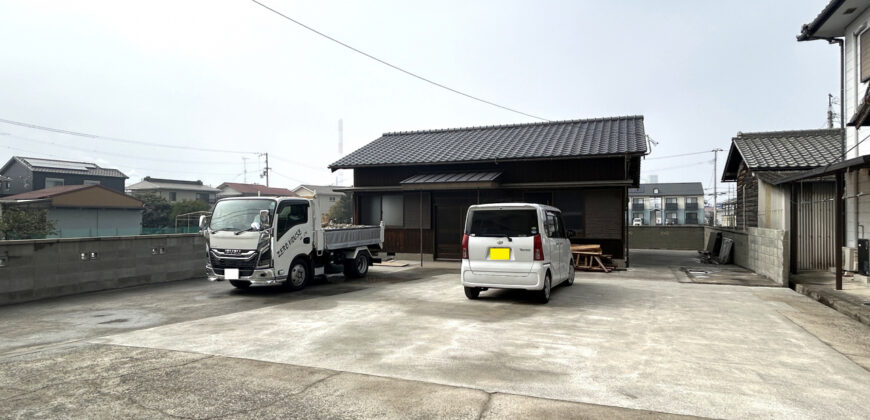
(237, 189)
(420, 183)
(761, 163)
(28, 174)
(174, 190)
(83, 210)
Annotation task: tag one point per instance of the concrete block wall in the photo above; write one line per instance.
(764, 251)
(43, 268)
(677, 237)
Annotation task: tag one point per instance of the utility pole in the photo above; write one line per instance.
(245, 169)
(831, 113)
(266, 169)
(715, 193)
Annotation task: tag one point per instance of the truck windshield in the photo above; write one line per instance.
(520, 222)
(239, 214)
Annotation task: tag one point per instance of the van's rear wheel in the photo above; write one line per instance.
(544, 294)
(472, 292)
(240, 284)
(358, 267)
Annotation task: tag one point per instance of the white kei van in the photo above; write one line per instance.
(515, 246)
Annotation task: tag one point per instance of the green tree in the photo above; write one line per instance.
(156, 213)
(25, 223)
(342, 211)
(187, 206)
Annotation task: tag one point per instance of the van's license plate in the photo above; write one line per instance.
(499, 253)
(231, 273)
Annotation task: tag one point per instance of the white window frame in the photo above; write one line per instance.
(91, 182)
(55, 182)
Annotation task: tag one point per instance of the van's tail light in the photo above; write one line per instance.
(464, 247)
(539, 248)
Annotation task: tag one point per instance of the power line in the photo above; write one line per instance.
(409, 73)
(679, 155)
(162, 160)
(116, 139)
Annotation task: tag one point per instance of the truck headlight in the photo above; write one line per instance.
(265, 259)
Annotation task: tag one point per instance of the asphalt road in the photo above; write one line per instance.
(405, 343)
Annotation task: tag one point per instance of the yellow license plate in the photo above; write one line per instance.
(499, 253)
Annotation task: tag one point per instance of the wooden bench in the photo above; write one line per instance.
(590, 258)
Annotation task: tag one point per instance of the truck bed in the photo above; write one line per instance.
(351, 236)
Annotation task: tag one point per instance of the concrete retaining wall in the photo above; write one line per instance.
(764, 251)
(678, 237)
(36, 269)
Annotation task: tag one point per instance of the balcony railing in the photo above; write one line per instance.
(671, 206)
(691, 206)
(637, 206)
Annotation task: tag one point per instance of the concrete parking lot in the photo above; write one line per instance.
(406, 343)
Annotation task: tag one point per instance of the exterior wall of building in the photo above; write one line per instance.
(112, 183)
(854, 93)
(681, 211)
(84, 223)
(773, 206)
(22, 178)
(43, 268)
(747, 199)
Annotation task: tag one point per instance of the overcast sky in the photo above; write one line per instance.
(231, 75)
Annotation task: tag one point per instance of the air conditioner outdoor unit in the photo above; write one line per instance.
(850, 259)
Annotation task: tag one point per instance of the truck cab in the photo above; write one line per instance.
(263, 241)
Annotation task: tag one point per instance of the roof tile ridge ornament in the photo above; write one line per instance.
(516, 125)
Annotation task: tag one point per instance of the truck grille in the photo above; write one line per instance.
(245, 262)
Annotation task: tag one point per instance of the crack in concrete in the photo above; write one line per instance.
(486, 404)
(54, 384)
(277, 400)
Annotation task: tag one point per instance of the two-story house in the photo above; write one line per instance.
(846, 23)
(236, 189)
(676, 203)
(175, 190)
(25, 174)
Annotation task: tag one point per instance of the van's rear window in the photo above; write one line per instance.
(503, 223)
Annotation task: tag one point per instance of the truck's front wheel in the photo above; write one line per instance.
(358, 267)
(298, 274)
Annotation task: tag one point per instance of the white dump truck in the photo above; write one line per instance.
(264, 241)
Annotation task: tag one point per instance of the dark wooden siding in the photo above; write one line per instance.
(747, 199)
(600, 169)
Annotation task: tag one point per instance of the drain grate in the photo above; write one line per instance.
(866, 303)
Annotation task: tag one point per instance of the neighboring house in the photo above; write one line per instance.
(30, 174)
(325, 195)
(422, 182)
(760, 162)
(5, 185)
(235, 189)
(676, 203)
(84, 210)
(175, 190)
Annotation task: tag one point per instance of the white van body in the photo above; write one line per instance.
(515, 246)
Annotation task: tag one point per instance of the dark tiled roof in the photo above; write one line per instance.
(809, 30)
(452, 178)
(574, 138)
(668, 188)
(65, 167)
(789, 149)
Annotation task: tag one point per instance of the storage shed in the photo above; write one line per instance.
(421, 183)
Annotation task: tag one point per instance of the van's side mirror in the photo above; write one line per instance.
(264, 218)
(203, 221)
(571, 233)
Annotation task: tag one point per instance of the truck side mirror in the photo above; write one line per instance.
(264, 218)
(203, 221)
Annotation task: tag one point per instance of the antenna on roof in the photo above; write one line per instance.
(339, 178)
